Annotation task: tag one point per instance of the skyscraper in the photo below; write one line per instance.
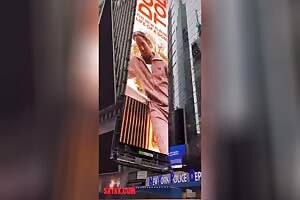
(184, 65)
(193, 10)
(119, 40)
(115, 41)
(117, 19)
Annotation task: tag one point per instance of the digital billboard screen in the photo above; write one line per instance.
(146, 109)
(176, 154)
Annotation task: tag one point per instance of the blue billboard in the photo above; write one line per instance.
(176, 153)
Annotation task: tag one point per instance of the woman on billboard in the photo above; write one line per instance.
(151, 72)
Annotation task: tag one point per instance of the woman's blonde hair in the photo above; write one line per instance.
(143, 35)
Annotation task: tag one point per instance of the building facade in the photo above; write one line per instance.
(121, 40)
(121, 30)
(184, 67)
(183, 80)
(193, 10)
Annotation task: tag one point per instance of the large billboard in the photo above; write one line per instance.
(146, 109)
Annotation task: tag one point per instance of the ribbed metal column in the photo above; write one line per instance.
(123, 14)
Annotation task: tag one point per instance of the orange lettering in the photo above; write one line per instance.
(164, 3)
(162, 15)
(148, 3)
(158, 20)
(158, 9)
(145, 10)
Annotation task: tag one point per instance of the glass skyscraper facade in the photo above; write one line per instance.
(193, 10)
(184, 65)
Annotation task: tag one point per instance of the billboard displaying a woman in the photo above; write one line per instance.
(145, 119)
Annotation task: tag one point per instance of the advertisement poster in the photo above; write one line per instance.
(176, 154)
(147, 80)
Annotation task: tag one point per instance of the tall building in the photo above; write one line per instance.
(184, 67)
(119, 41)
(123, 13)
(116, 21)
(115, 41)
(193, 10)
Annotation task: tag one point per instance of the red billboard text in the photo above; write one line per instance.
(158, 14)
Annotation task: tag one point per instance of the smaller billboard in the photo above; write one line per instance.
(176, 154)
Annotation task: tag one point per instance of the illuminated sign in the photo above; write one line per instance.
(181, 177)
(176, 154)
(194, 176)
(145, 153)
(174, 178)
(146, 109)
(158, 14)
(164, 179)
